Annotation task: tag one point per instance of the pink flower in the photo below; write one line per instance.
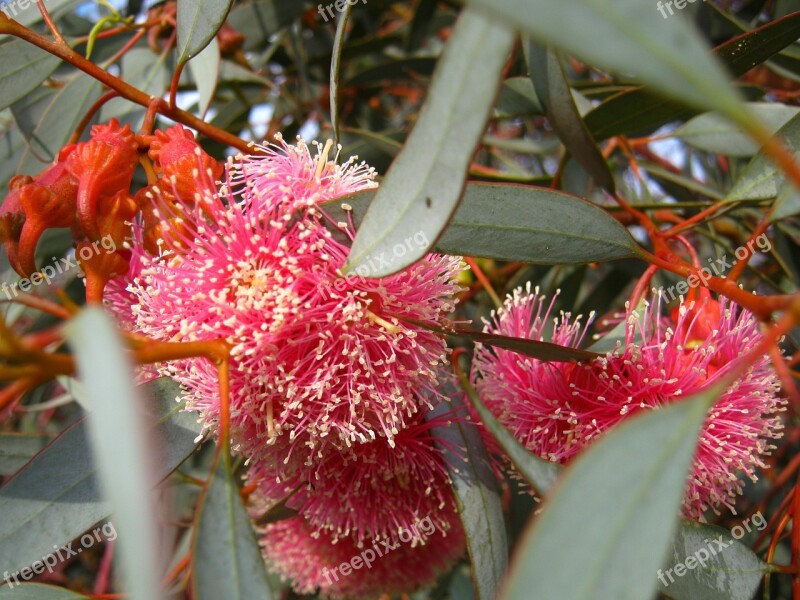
(369, 491)
(315, 355)
(557, 409)
(314, 562)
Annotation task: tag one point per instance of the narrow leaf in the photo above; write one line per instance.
(715, 565)
(121, 447)
(23, 67)
(205, 72)
(539, 473)
(711, 132)
(761, 179)
(55, 497)
(198, 23)
(554, 93)
(226, 559)
(628, 36)
(517, 223)
(478, 499)
(640, 108)
(634, 478)
(425, 182)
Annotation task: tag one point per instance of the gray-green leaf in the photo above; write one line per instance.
(605, 529)
(425, 182)
(198, 23)
(226, 559)
(23, 67)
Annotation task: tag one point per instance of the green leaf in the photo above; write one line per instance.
(18, 448)
(226, 559)
(478, 499)
(424, 184)
(23, 67)
(517, 98)
(605, 529)
(728, 570)
(761, 179)
(58, 122)
(145, 71)
(198, 23)
(518, 223)
(259, 20)
(787, 203)
(628, 36)
(120, 444)
(28, 111)
(640, 108)
(205, 72)
(539, 473)
(554, 92)
(711, 132)
(37, 591)
(55, 497)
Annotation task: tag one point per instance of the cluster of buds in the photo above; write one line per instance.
(88, 189)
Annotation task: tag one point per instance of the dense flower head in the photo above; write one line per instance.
(314, 562)
(556, 409)
(370, 491)
(315, 354)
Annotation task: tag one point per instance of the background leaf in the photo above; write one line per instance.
(730, 573)
(714, 133)
(226, 559)
(37, 591)
(198, 23)
(55, 498)
(18, 448)
(553, 91)
(627, 36)
(205, 72)
(23, 67)
(478, 500)
(424, 184)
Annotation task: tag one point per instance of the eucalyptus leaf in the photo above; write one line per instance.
(516, 223)
(37, 591)
(16, 449)
(634, 478)
(198, 23)
(478, 499)
(121, 447)
(761, 178)
(552, 88)
(55, 497)
(205, 72)
(23, 67)
(629, 37)
(715, 565)
(226, 559)
(425, 182)
(711, 132)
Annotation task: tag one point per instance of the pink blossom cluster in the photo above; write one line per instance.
(330, 385)
(557, 409)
